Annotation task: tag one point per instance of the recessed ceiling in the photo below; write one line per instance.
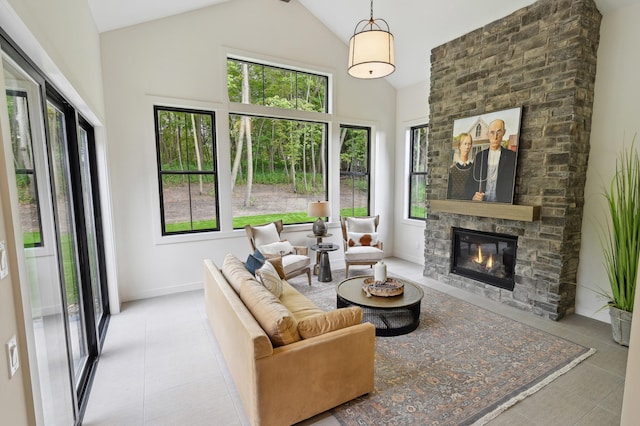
(417, 25)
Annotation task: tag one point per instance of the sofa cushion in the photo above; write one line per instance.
(269, 278)
(265, 234)
(362, 239)
(327, 322)
(279, 248)
(299, 306)
(361, 224)
(235, 272)
(274, 318)
(254, 261)
(357, 253)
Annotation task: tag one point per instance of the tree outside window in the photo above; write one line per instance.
(22, 147)
(418, 172)
(354, 170)
(187, 173)
(278, 162)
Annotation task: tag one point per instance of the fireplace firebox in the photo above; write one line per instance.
(484, 256)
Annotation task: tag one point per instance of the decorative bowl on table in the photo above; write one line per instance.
(388, 288)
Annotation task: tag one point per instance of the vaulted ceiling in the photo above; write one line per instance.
(417, 25)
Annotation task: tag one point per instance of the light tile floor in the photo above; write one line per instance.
(161, 365)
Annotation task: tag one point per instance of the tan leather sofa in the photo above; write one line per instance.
(282, 385)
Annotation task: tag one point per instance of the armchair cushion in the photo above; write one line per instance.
(265, 234)
(293, 262)
(361, 224)
(362, 239)
(278, 248)
(363, 253)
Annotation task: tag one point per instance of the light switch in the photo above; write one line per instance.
(13, 356)
(4, 265)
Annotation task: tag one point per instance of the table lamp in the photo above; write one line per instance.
(319, 209)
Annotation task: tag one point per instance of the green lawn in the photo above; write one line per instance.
(239, 222)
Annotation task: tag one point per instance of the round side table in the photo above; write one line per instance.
(318, 241)
(324, 273)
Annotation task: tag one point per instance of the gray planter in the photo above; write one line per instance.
(620, 325)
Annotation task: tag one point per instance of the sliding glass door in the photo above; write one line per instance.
(66, 237)
(57, 201)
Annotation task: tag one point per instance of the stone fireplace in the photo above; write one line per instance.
(543, 58)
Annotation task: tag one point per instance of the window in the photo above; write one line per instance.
(26, 178)
(278, 161)
(354, 170)
(187, 173)
(276, 87)
(418, 172)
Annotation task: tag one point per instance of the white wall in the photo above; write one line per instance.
(63, 41)
(412, 110)
(181, 60)
(616, 118)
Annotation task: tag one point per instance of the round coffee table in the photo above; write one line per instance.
(393, 315)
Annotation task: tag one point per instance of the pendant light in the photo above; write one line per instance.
(371, 49)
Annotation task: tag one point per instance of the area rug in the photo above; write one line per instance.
(463, 365)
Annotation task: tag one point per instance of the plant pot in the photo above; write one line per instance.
(620, 325)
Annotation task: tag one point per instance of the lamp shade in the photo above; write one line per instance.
(371, 53)
(319, 209)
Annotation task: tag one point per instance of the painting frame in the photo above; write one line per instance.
(484, 157)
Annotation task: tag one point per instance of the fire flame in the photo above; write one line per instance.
(479, 259)
(490, 262)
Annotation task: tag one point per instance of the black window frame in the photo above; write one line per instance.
(32, 173)
(412, 172)
(367, 173)
(162, 173)
(325, 104)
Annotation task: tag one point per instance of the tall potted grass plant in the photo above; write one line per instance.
(621, 241)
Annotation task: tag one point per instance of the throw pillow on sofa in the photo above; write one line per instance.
(277, 263)
(274, 318)
(329, 321)
(254, 261)
(269, 278)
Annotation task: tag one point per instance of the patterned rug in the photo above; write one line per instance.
(463, 365)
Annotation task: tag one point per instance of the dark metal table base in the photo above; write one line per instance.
(389, 322)
(324, 273)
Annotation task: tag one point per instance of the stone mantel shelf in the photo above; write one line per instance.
(495, 210)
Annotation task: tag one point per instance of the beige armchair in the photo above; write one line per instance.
(266, 238)
(360, 241)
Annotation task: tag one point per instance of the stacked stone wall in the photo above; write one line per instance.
(543, 58)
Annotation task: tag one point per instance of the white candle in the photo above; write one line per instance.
(380, 272)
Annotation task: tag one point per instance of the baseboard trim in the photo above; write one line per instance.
(147, 294)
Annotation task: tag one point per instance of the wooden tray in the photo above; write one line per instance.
(389, 288)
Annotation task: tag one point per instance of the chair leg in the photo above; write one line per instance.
(347, 271)
(309, 275)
